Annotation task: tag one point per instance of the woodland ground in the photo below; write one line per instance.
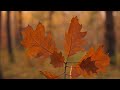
(23, 68)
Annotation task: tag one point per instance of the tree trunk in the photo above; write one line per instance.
(19, 28)
(10, 50)
(16, 27)
(1, 76)
(110, 36)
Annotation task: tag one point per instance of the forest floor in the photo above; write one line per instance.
(24, 68)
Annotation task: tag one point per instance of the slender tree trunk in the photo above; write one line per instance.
(10, 50)
(1, 75)
(19, 28)
(0, 29)
(110, 36)
(16, 27)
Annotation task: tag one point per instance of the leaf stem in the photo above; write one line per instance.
(65, 70)
(65, 67)
(68, 67)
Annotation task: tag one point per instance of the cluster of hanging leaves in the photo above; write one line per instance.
(38, 44)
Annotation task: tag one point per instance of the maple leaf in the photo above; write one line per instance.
(74, 41)
(37, 43)
(92, 63)
(49, 75)
(57, 60)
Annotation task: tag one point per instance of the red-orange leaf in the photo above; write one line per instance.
(74, 41)
(37, 43)
(49, 75)
(57, 60)
(92, 63)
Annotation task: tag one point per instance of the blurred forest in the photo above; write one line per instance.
(103, 27)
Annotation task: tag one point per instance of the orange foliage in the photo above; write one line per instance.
(57, 60)
(37, 44)
(40, 45)
(92, 63)
(74, 41)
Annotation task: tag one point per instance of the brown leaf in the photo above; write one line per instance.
(74, 41)
(37, 44)
(88, 66)
(92, 63)
(57, 60)
(48, 75)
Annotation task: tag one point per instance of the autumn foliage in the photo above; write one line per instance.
(74, 41)
(42, 45)
(92, 63)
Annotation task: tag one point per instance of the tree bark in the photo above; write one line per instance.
(19, 28)
(10, 50)
(1, 75)
(110, 39)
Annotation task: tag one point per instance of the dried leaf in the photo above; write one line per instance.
(48, 75)
(88, 66)
(92, 63)
(74, 41)
(57, 60)
(37, 44)
(102, 60)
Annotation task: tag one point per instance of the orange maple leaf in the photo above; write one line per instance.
(57, 60)
(37, 43)
(49, 75)
(74, 41)
(92, 63)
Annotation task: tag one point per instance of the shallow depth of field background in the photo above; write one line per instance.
(14, 64)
